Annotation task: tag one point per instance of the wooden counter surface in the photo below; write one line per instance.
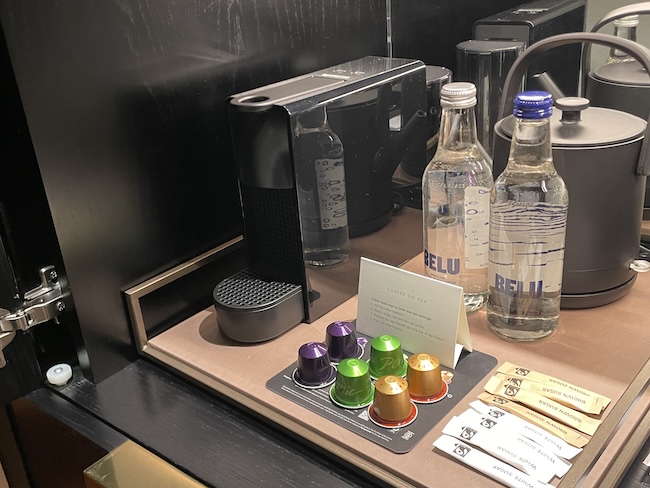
(601, 349)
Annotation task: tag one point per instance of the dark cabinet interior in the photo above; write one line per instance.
(116, 153)
(119, 130)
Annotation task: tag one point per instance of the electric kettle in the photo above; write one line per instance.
(603, 156)
(621, 86)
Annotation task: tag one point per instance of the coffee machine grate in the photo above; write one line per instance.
(246, 291)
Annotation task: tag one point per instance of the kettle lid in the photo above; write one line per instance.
(574, 123)
(628, 73)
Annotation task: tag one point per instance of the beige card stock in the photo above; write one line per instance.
(425, 314)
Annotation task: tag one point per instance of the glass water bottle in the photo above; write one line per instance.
(624, 27)
(528, 218)
(455, 199)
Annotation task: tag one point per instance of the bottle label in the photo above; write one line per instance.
(526, 248)
(441, 264)
(330, 178)
(477, 235)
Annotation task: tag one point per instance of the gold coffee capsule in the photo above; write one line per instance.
(424, 378)
(392, 401)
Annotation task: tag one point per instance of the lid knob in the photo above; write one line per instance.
(571, 107)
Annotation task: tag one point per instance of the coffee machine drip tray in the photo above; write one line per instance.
(254, 309)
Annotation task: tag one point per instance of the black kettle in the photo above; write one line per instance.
(621, 86)
(603, 155)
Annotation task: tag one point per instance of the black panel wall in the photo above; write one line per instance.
(125, 104)
(124, 101)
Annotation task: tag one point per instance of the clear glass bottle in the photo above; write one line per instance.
(320, 177)
(624, 27)
(528, 217)
(455, 199)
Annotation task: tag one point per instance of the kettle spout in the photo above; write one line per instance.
(548, 84)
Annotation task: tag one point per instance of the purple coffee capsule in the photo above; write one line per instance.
(314, 367)
(341, 340)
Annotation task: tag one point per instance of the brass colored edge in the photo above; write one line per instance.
(135, 293)
(132, 460)
(269, 414)
(137, 320)
(600, 440)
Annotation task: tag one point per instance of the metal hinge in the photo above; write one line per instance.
(40, 305)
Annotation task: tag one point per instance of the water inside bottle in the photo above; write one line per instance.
(526, 257)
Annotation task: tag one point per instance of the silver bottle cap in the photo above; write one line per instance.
(458, 94)
(629, 21)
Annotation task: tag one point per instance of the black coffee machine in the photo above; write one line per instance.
(315, 157)
(534, 21)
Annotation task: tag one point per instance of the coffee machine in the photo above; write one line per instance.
(315, 157)
(534, 21)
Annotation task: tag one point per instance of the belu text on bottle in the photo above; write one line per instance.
(515, 288)
(438, 263)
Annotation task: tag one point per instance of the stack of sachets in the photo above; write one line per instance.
(526, 428)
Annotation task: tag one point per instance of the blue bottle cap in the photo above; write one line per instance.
(533, 105)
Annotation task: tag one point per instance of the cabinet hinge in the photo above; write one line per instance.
(43, 303)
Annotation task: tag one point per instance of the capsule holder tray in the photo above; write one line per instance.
(471, 369)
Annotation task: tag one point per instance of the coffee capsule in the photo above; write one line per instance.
(341, 340)
(386, 357)
(425, 379)
(352, 388)
(314, 367)
(391, 406)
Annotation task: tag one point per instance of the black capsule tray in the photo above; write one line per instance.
(471, 369)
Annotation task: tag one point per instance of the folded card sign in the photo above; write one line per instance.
(425, 314)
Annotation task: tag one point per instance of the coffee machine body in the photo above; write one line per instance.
(315, 157)
(537, 20)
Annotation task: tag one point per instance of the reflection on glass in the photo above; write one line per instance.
(320, 176)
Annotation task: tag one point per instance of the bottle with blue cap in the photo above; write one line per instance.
(528, 216)
(455, 199)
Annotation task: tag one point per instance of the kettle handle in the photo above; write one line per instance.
(634, 9)
(521, 64)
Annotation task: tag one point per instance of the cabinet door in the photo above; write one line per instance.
(28, 244)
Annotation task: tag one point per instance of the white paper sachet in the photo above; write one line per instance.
(486, 464)
(500, 429)
(553, 409)
(544, 438)
(513, 449)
